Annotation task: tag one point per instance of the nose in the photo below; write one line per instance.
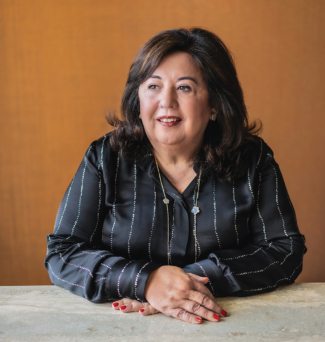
(168, 98)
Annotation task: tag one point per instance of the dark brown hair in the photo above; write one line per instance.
(229, 140)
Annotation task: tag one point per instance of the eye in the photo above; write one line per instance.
(152, 86)
(186, 88)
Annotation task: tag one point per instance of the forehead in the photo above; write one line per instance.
(178, 63)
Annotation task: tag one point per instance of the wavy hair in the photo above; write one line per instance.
(228, 141)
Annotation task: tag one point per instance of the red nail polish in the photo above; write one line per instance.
(141, 310)
(198, 319)
(123, 307)
(115, 304)
(223, 313)
(217, 317)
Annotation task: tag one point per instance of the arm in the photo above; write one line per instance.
(76, 258)
(275, 253)
(78, 261)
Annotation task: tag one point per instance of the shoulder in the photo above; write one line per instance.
(102, 142)
(261, 155)
(100, 149)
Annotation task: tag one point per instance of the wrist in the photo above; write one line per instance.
(154, 275)
(148, 282)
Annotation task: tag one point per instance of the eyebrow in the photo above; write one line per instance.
(179, 79)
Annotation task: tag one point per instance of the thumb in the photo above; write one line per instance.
(202, 280)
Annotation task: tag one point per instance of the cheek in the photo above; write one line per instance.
(198, 109)
(147, 106)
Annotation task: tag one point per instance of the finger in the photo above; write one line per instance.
(125, 301)
(200, 311)
(148, 310)
(202, 280)
(116, 305)
(131, 306)
(205, 301)
(203, 289)
(185, 316)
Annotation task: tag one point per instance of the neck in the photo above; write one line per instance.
(176, 156)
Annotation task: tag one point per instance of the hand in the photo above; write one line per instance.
(127, 305)
(175, 293)
(131, 305)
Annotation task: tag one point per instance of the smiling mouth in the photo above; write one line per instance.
(168, 120)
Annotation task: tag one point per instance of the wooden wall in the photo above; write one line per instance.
(63, 63)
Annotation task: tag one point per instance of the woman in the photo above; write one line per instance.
(182, 202)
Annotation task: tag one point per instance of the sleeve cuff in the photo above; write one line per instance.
(220, 277)
(128, 279)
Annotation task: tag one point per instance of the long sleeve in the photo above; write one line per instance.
(76, 258)
(275, 252)
(111, 228)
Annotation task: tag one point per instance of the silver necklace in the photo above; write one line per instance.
(195, 210)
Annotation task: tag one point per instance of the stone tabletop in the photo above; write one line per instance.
(49, 313)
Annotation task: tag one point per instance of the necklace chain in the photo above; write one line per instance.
(195, 211)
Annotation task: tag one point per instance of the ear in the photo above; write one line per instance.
(213, 114)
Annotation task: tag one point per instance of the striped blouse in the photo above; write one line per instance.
(111, 228)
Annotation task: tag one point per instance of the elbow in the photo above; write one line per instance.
(292, 262)
(300, 249)
(288, 254)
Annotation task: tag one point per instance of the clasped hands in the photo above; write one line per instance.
(175, 293)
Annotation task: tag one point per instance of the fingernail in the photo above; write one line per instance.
(141, 310)
(198, 319)
(224, 313)
(217, 317)
(115, 304)
(123, 307)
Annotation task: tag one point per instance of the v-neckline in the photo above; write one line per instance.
(148, 165)
(190, 187)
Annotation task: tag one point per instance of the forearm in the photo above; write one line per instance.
(95, 274)
(252, 269)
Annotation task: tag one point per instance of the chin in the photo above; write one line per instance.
(170, 141)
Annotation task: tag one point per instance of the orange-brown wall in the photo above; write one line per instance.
(63, 63)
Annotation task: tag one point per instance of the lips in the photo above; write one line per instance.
(169, 121)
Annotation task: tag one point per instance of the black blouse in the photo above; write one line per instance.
(111, 228)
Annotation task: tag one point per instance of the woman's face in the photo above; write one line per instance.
(174, 102)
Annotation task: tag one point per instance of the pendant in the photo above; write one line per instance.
(166, 200)
(195, 210)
